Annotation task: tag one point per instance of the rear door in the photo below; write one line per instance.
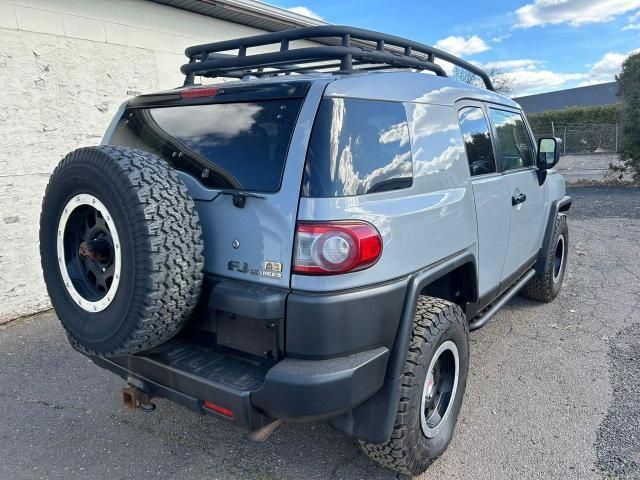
(490, 192)
(241, 154)
(526, 201)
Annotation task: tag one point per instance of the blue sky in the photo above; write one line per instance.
(541, 45)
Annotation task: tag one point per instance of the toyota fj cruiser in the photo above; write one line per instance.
(313, 241)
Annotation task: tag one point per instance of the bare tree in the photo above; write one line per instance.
(501, 82)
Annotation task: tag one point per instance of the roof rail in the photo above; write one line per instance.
(352, 48)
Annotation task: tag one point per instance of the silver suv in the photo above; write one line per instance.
(313, 241)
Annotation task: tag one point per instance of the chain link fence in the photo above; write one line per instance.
(581, 139)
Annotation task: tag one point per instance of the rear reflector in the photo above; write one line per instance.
(199, 92)
(217, 408)
(336, 247)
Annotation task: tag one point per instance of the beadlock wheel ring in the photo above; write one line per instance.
(91, 279)
(440, 387)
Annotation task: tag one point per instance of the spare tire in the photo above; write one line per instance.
(121, 249)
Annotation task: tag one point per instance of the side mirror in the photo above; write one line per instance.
(548, 152)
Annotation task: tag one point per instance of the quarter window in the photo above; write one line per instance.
(358, 147)
(513, 140)
(477, 141)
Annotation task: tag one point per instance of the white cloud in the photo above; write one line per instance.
(633, 22)
(573, 12)
(526, 82)
(527, 76)
(307, 12)
(519, 64)
(500, 38)
(605, 69)
(461, 46)
(531, 76)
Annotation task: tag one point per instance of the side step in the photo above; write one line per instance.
(486, 317)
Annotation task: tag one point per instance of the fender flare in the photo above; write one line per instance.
(373, 420)
(560, 205)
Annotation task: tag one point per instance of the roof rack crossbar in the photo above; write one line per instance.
(348, 45)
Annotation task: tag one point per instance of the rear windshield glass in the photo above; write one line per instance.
(233, 145)
(358, 147)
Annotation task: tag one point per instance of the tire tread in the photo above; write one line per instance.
(401, 453)
(167, 238)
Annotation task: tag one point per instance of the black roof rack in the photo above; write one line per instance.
(343, 50)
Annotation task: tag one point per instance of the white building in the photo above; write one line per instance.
(65, 67)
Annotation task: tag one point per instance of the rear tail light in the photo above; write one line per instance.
(333, 248)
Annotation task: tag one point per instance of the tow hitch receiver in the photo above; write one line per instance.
(133, 398)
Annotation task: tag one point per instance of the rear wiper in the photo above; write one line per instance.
(239, 198)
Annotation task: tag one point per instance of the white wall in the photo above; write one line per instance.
(65, 67)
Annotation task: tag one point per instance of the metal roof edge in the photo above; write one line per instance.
(252, 13)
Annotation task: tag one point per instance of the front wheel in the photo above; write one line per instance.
(546, 287)
(433, 384)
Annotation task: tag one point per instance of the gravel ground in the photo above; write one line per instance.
(586, 167)
(553, 391)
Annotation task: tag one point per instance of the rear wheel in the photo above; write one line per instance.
(545, 288)
(433, 384)
(121, 249)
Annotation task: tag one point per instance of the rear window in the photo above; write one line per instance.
(231, 145)
(358, 147)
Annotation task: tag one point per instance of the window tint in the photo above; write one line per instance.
(357, 147)
(513, 140)
(477, 141)
(233, 145)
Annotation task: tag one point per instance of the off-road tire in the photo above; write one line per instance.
(409, 451)
(544, 288)
(161, 247)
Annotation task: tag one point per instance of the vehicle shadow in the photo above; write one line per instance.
(295, 450)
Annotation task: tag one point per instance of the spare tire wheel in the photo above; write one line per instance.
(121, 249)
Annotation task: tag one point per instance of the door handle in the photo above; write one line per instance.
(517, 199)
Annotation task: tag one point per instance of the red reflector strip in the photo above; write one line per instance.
(217, 408)
(199, 92)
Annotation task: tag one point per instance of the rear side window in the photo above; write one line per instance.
(477, 141)
(358, 147)
(232, 145)
(513, 140)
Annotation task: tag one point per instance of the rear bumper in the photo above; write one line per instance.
(293, 389)
(318, 389)
(335, 345)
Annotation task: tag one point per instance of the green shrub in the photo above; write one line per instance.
(607, 114)
(629, 93)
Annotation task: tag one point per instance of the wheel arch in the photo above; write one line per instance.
(557, 206)
(383, 404)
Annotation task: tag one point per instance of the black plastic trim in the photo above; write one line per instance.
(317, 389)
(374, 419)
(248, 299)
(244, 92)
(325, 325)
(187, 389)
(561, 205)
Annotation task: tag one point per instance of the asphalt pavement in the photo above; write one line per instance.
(553, 391)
